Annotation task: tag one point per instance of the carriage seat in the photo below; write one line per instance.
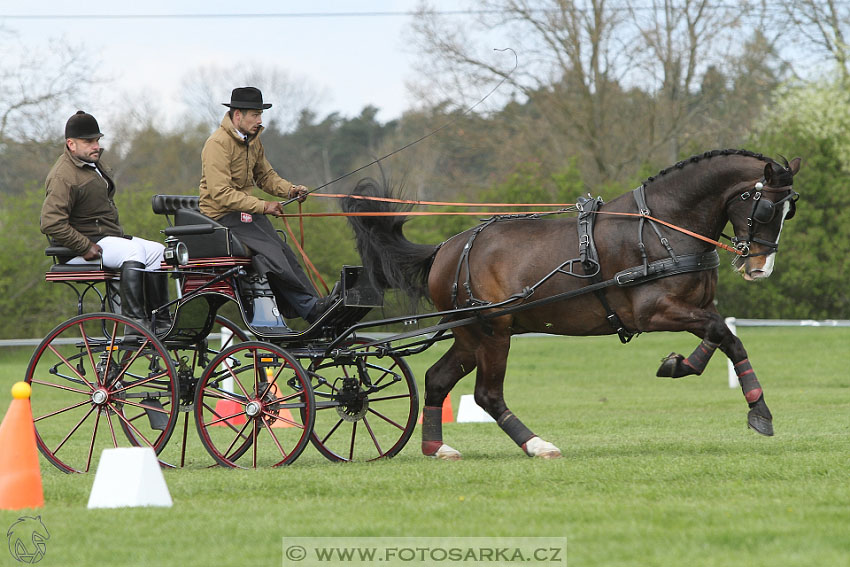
(203, 236)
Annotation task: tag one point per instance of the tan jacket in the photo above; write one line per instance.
(78, 208)
(231, 167)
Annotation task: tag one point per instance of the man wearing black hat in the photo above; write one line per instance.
(233, 162)
(79, 213)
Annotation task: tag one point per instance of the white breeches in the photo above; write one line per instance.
(117, 250)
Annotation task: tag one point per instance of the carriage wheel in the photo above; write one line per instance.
(89, 385)
(254, 401)
(366, 406)
(190, 362)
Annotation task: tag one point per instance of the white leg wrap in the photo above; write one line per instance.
(537, 447)
(446, 453)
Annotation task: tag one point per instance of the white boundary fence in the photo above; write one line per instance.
(733, 324)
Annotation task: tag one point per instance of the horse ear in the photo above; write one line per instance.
(795, 165)
(768, 173)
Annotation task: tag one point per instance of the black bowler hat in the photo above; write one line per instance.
(248, 98)
(82, 125)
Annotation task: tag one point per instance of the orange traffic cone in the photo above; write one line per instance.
(285, 415)
(20, 477)
(448, 413)
(229, 408)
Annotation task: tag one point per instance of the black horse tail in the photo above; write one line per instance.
(392, 261)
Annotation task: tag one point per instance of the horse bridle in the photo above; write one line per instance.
(763, 212)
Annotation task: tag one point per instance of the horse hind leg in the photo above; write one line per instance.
(489, 394)
(439, 380)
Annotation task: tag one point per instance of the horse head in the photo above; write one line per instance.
(758, 215)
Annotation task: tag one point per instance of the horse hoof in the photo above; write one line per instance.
(446, 453)
(672, 367)
(537, 447)
(759, 417)
(759, 423)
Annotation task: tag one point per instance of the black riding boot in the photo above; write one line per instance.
(133, 295)
(156, 295)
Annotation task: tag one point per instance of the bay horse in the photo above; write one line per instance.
(669, 284)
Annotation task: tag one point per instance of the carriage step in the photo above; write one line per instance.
(157, 416)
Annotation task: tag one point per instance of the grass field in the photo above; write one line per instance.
(655, 471)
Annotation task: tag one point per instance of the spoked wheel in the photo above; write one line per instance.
(366, 405)
(190, 361)
(92, 390)
(254, 401)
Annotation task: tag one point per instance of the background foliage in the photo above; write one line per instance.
(564, 126)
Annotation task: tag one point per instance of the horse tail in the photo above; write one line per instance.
(390, 260)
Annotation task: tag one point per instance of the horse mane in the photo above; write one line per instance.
(783, 173)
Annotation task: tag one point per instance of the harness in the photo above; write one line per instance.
(588, 259)
(762, 212)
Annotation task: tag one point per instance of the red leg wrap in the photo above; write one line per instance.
(749, 383)
(700, 357)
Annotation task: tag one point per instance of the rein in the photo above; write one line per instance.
(569, 209)
(440, 203)
(675, 227)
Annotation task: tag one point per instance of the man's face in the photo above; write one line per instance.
(248, 121)
(86, 150)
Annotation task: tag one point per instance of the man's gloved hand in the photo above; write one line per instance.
(93, 253)
(272, 208)
(299, 192)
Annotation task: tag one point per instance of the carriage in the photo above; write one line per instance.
(269, 390)
(260, 391)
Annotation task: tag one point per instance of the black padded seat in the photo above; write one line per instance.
(170, 204)
(203, 236)
(79, 268)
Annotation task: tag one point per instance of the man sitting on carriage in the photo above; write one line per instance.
(79, 213)
(233, 161)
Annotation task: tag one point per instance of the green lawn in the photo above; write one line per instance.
(655, 471)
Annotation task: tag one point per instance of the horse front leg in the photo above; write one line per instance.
(491, 359)
(759, 417)
(717, 335)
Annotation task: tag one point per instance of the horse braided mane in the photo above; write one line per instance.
(714, 153)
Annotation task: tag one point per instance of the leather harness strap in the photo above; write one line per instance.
(590, 262)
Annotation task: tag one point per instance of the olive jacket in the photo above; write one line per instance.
(78, 208)
(230, 168)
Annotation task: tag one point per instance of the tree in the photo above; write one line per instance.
(823, 25)
(684, 39)
(611, 83)
(206, 88)
(35, 88)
